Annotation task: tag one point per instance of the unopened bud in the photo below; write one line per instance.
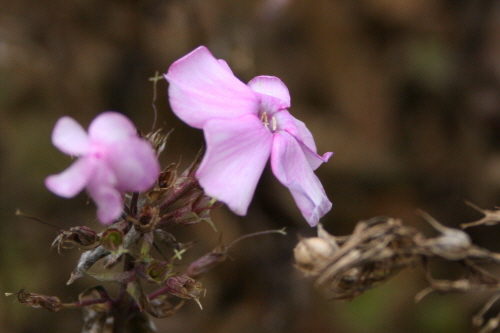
(205, 263)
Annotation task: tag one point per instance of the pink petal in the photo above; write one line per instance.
(69, 137)
(237, 151)
(109, 204)
(270, 105)
(272, 86)
(292, 169)
(134, 164)
(71, 181)
(203, 88)
(225, 65)
(305, 136)
(108, 199)
(110, 127)
(286, 122)
(313, 158)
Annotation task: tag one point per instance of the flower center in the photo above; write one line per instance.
(97, 151)
(271, 126)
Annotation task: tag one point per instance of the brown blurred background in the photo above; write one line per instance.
(405, 92)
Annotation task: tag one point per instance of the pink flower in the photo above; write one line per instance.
(244, 125)
(113, 159)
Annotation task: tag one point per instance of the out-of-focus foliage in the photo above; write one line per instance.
(406, 93)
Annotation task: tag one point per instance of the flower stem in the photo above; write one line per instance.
(123, 305)
(85, 303)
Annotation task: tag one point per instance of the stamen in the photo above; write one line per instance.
(273, 123)
(264, 120)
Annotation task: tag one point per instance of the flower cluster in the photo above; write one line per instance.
(244, 126)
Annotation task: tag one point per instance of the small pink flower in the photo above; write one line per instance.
(244, 125)
(113, 160)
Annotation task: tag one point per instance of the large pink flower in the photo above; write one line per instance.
(243, 126)
(113, 160)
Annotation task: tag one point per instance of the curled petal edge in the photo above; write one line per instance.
(291, 167)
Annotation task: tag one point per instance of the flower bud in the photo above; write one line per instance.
(205, 263)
